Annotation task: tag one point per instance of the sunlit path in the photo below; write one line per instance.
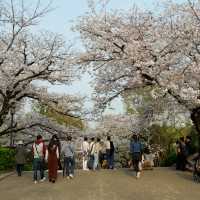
(161, 183)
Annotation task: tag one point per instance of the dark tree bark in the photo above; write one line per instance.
(195, 116)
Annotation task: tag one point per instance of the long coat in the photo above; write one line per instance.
(20, 155)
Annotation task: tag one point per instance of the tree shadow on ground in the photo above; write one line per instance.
(129, 172)
(185, 175)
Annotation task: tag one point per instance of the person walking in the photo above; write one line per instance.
(102, 154)
(39, 151)
(85, 152)
(68, 150)
(110, 149)
(182, 154)
(20, 158)
(57, 140)
(91, 154)
(52, 158)
(97, 149)
(136, 152)
(178, 155)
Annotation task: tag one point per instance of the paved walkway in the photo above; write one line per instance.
(159, 184)
(5, 175)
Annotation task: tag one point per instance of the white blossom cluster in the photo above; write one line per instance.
(133, 49)
(26, 57)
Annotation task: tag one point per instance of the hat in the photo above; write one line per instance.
(20, 142)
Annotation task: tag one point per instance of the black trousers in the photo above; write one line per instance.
(178, 162)
(19, 169)
(136, 159)
(182, 162)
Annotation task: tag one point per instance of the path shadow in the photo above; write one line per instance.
(185, 175)
(129, 172)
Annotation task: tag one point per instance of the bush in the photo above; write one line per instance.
(7, 158)
(28, 167)
(169, 159)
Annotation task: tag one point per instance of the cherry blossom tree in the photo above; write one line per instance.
(26, 58)
(44, 115)
(136, 48)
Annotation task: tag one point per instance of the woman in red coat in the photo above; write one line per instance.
(53, 157)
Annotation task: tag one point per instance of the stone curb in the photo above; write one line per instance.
(3, 176)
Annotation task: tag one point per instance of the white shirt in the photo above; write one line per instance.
(92, 144)
(97, 147)
(107, 144)
(38, 150)
(85, 146)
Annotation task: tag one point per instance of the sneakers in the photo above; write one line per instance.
(43, 179)
(68, 177)
(71, 176)
(138, 175)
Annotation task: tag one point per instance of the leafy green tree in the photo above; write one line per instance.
(59, 117)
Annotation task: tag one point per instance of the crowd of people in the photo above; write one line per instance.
(187, 156)
(95, 154)
(184, 151)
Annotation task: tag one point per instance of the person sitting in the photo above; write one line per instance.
(148, 162)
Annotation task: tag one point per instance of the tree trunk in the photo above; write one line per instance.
(195, 117)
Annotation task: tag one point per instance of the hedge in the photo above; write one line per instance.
(169, 159)
(7, 158)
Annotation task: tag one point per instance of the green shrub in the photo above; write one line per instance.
(169, 159)
(7, 158)
(28, 167)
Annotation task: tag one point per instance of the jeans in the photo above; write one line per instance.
(69, 165)
(19, 168)
(96, 161)
(110, 159)
(38, 164)
(136, 159)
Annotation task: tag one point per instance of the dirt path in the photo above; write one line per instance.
(159, 184)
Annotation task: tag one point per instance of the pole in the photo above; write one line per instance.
(11, 124)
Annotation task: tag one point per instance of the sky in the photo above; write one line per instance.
(60, 20)
(65, 11)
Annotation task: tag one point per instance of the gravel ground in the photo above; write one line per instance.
(158, 184)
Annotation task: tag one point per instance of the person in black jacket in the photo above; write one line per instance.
(110, 150)
(182, 154)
